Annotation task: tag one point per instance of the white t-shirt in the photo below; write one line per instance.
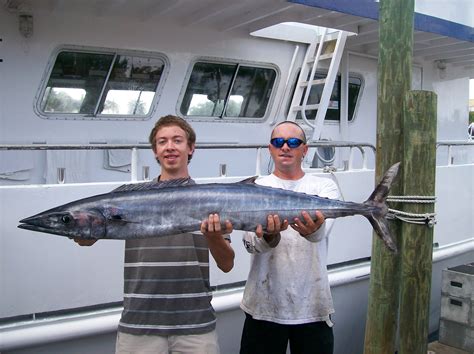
(289, 284)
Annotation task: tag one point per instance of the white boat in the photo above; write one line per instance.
(81, 79)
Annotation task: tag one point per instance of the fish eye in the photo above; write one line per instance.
(66, 219)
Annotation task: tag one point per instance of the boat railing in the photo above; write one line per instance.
(260, 149)
(450, 145)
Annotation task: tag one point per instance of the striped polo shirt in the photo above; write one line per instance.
(166, 286)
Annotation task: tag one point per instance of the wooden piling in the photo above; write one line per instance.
(416, 244)
(394, 81)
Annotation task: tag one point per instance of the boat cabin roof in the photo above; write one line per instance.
(444, 31)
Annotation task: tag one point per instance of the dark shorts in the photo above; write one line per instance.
(263, 337)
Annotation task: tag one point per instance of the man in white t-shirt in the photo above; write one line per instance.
(287, 298)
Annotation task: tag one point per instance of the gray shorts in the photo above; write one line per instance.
(184, 344)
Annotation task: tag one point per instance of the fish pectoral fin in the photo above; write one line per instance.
(120, 219)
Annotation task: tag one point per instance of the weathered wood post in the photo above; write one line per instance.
(416, 246)
(394, 81)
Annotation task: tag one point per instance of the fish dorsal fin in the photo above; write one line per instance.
(152, 185)
(250, 180)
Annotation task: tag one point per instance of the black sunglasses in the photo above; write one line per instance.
(291, 142)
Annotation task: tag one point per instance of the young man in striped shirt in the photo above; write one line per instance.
(167, 294)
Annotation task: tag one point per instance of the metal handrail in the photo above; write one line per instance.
(105, 146)
(205, 146)
(209, 146)
(450, 144)
(454, 142)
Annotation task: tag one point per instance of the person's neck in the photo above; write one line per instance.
(166, 176)
(289, 175)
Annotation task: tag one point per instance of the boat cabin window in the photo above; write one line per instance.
(101, 85)
(228, 90)
(333, 113)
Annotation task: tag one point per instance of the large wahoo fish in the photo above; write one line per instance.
(167, 208)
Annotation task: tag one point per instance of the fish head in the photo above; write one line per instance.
(74, 223)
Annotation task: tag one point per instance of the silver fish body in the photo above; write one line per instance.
(158, 209)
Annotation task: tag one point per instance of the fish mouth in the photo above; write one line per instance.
(40, 223)
(37, 228)
(88, 224)
(29, 220)
(32, 223)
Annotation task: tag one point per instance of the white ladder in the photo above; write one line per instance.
(324, 47)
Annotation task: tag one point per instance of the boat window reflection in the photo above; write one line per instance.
(132, 85)
(228, 90)
(102, 84)
(62, 99)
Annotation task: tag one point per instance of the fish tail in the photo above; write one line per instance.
(378, 199)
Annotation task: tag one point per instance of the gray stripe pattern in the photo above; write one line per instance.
(166, 286)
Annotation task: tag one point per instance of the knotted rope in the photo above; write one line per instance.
(428, 219)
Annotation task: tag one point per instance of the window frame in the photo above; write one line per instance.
(224, 61)
(99, 116)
